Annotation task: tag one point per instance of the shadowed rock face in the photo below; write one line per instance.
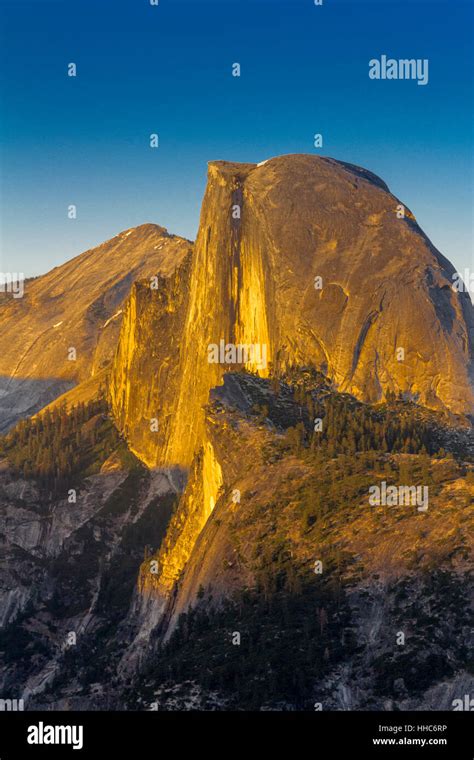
(385, 317)
(78, 304)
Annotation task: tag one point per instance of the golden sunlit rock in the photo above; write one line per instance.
(320, 270)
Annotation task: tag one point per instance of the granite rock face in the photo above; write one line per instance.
(77, 305)
(316, 263)
(145, 373)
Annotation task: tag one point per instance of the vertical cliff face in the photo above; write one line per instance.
(160, 572)
(228, 303)
(309, 261)
(195, 507)
(145, 374)
(223, 295)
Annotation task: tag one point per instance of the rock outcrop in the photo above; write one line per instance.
(317, 262)
(77, 305)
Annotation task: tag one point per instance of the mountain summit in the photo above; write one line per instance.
(318, 262)
(77, 305)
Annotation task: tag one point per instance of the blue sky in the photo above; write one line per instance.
(167, 69)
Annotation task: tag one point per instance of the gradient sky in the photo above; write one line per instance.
(167, 69)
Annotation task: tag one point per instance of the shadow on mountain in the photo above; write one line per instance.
(22, 397)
